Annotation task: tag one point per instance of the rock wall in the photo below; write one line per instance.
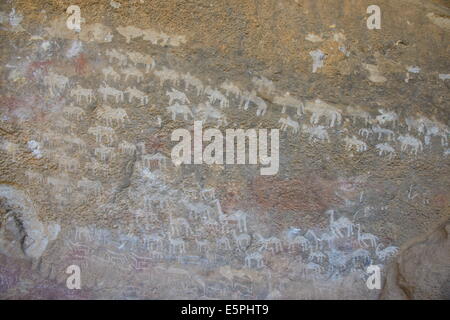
(86, 171)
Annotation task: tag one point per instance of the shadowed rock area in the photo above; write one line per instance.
(421, 270)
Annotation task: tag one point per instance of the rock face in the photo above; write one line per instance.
(347, 117)
(421, 270)
(23, 226)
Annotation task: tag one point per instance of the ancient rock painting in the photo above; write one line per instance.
(114, 202)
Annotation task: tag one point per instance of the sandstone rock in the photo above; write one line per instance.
(422, 269)
(88, 115)
(22, 225)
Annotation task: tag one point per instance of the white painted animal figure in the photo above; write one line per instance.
(437, 129)
(230, 87)
(299, 241)
(182, 109)
(242, 240)
(75, 142)
(363, 237)
(387, 117)
(129, 32)
(223, 243)
(389, 134)
(312, 267)
(208, 194)
(272, 243)
(107, 91)
(96, 167)
(62, 125)
(321, 109)
(191, 81)
(311, 236)
(202, 245)
(60, 183)
(164, 38)
(261, 106)
(365, 132)
(358, 113)
(157, 158)
(328, 238)
(102, 133)
(255, 257)
(113, 54)
(338, 260)
(207, 111)
(318, 59)
(110, 72)
(156, 38)
(117, 259)
(215, 95)
(288, 101)
(139, 58)
(176, 245)
(127, 148)
(263, 84)
(385, 149)
(135, 93)
(316, 133)
(166, 74)
(112, 115)
(67, 163)
(55, 82)
(197, 209)
(386, 253)
(288, 122)
(246, 98)
(35, 177)
(417, 124)
(83, 234)
(361, 255)
(176, 95)
(50, 139)
(414, 144)
(80, 93)
(74, 112)
(338, 225)
(153, 241)
(353, 142)
(317, 256)
(238, 217)
(179, 225)
(176, 40)
(153, 36)
(90, 186)
(133, 72)
(105, 153)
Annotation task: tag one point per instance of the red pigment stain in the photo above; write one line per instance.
(305, 194)
(10, 103)
(37, 67)
(81, 64)
(156, 143)
(441, 200)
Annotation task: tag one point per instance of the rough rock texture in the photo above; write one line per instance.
(24, 226)
(86, 177)
(422, 269)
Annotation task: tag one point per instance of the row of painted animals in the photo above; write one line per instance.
(318, 108)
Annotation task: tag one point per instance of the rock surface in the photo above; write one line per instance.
(422, 269)
(86, 170)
